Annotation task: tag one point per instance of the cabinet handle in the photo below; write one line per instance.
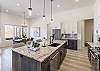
(54, 56)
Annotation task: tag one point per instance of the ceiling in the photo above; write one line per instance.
(37, 6)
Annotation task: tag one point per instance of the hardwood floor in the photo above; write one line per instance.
(6, 59)
(76, 61)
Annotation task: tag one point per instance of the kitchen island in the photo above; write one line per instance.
(47, 58)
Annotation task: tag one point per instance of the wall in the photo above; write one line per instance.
(96, 20)
(67, 20)
(6, 18)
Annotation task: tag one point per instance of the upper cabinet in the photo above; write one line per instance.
(56, 25)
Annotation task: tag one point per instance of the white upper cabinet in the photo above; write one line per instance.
(56, 25)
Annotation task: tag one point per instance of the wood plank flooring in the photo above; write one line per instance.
(6, 59)
(76, 61)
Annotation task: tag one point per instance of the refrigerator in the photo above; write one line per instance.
(57, 34)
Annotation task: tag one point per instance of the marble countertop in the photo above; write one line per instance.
(94, 44)
(41, 54)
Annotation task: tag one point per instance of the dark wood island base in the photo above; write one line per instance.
(51, 62)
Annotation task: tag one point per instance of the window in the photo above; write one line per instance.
(9, 33)
(15, 31)
(35, 32)
(18, 31)
(25, 31)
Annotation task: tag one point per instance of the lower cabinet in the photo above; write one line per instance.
(54, 62)
(23, 63)
(45, 66)
(28, 64)
(72, 44)
(16, 62)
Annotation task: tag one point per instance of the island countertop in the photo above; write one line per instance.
(41, 54)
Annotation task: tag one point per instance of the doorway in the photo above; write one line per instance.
(85, 30)
(88, 30)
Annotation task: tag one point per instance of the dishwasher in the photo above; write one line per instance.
(54, 62)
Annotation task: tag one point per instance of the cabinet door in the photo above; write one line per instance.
(46, 66)
(16, 61)
(72, 44)
(57, 34)
(28, 64)
(54, 63)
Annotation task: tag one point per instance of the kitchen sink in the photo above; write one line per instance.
(54, 44)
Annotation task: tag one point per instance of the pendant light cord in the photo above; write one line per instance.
(24, 18)
(51, 10)
(44, 9)
(30, 3)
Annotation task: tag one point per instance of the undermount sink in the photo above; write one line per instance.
(54, 44)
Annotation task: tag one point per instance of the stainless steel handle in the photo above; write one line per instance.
(55, 55)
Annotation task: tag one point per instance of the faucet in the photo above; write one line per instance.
(51, 38)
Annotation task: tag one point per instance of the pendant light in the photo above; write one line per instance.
(24, 21)
(44, 12)
(23, 27)
(51, 11)
(30, 9)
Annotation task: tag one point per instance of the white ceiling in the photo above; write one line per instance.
(37, 6)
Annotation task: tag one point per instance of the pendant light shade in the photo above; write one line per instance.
(52, 21)
(44, 12)
(30, 9)
(43, 17)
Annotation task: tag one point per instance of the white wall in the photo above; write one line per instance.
(80, 31)
(96, 19)
(67, 19)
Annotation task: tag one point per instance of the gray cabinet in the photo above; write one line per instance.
(62, 52)
(28, 64)
(23, 63)
(57, 34)
(72, 44)
(54, 62)
(16, 62)
(45, 66)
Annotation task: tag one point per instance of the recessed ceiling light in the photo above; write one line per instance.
(76, 0)
(58, 6)
(17, 4)
(6, 10)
